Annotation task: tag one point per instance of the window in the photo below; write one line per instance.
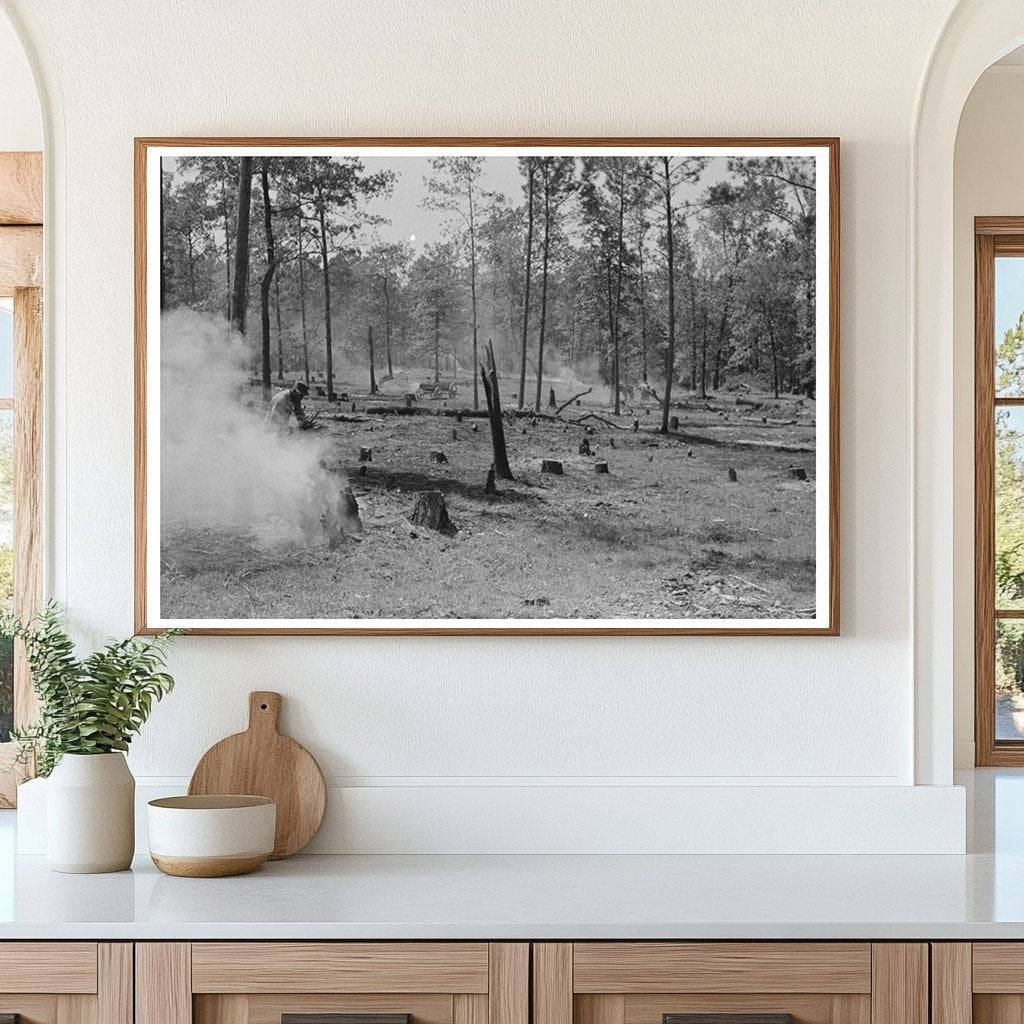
(999, 490)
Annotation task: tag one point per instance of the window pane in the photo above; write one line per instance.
(1009, 679)
(6, 348)
(1009, 538)
(1009, 323)
(6, 567)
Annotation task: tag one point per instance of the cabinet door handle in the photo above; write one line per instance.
(338, 1018)
(728, 1018)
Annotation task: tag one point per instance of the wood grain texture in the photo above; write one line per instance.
(998, 1009)
(951, 983)
(851, 1009)
(722, 967)
(21, 188)
(262, 1008)
(228, 1009)
(64, 967)
(552, 983)
(467, 1009)
(21, 258)
(509, 983)
(807, 1008)
(832, 144)
(984, 503)
(115, 990)
(599, 1009)
(163, 983)
(76, 1009)
(899, 988)
(998, 967)
(262, 762)
(339, 967)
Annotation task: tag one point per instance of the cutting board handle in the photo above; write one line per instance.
(264, 711)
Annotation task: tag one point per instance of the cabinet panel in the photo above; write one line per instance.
(339, 967)
(48, 967)
(634, 967)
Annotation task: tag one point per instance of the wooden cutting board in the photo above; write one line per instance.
(262, 762)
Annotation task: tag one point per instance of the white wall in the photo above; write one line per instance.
(443, 713)
(988, 181)
(21, 125)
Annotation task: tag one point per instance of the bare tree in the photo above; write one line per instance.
(453, 189)
(240, 296)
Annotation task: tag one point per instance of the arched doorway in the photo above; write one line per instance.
(976, 34)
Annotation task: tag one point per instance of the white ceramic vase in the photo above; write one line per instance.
(90, 814)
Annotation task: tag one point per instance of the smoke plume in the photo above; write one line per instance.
(221, 466)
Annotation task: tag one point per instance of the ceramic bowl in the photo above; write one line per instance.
(211, 836)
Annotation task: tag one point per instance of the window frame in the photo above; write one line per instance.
(993, 237)
(21, 262)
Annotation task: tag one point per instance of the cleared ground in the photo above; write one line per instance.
(665, 534)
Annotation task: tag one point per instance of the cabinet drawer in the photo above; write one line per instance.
(48, 967)
(734, 982)
(630, 967)
(340, 967)
(263, 982)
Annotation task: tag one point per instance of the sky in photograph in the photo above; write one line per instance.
(404, 210)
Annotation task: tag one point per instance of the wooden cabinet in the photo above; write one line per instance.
(66, 982)
(649, 982)
(979, 982)
(261, 982)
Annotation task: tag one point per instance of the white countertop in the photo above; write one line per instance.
(532, 897)
(978, 896)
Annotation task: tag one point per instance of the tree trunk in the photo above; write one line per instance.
(431, 511)
(268, 231)
(328, 341)
(387, 320)
(472, 292)
(302, 300)
(670, 358)
(225, 208)
(543, 295)
(369, 342)
(526, 285)
(489, 375)
(277, 315)
(643, 305)
(240, 296)
(437, 346)
(616, 372)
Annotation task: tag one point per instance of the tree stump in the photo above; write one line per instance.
(585, 447)
(455, 434)
(362, 471)
(689, 453)
(438, 456)
(551, 398)
(409, 399)
(601, 467)
(797, 473)
(490, 487)
(733, 478)
(353, 406)
(673, 423)
(431, 511)
(551, 466)
(365, 455)
(636, 426)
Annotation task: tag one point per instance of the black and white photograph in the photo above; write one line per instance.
(487, 388)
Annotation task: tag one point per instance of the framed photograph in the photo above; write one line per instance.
(487, 386)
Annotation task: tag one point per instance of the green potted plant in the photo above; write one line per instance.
(89, 710)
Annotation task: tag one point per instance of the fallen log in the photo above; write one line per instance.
(575, 398)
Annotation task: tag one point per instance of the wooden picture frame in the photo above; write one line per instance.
(825, 619)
